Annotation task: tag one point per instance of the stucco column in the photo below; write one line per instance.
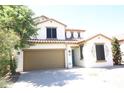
(19, 58)
(69, 57)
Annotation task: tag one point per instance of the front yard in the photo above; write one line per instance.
(76, 78)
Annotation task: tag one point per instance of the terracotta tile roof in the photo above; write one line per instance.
(53, 41)
(81, 41)
(120, 38)
(121, 41)
(75, 30)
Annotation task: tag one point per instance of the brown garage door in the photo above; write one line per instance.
(43, 59)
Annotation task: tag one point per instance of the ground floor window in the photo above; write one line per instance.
(100, 55)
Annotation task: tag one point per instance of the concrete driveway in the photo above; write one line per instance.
(76, 78)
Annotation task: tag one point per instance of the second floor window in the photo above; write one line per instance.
(51, 32)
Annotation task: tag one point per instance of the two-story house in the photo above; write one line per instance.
(56, 46)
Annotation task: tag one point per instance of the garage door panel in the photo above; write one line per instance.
(43, 59)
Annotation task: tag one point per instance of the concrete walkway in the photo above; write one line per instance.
(77, 78)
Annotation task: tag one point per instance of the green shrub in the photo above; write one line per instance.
(4, 67)
(13, 66)
(116, 52)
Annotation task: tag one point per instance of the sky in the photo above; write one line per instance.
(105, 19)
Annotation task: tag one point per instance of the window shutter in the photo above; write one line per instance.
(81, 51)
(48, 32)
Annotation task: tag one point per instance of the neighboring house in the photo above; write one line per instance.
(122, 48)
(121, 42)
(58, 47)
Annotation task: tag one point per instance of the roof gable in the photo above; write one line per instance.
(83, 41)
(97, 36)
(41, 17)
(52, 20)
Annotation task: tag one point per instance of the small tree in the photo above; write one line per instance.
(116, 51)
(7, 42)
(19, 19)
(16, 28)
